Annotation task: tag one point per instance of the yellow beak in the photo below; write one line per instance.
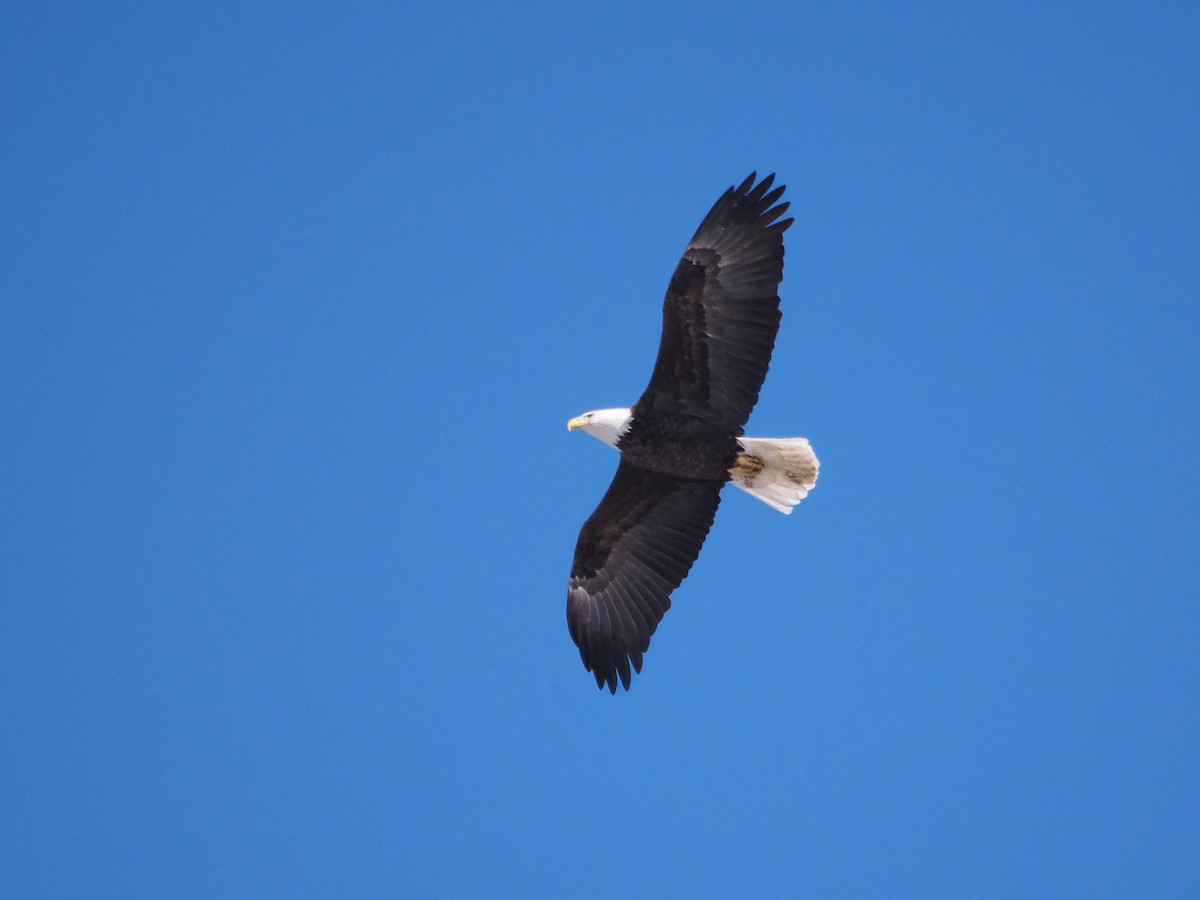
(577, 422)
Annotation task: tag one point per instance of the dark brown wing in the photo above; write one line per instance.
(632, 553)
(721, 313)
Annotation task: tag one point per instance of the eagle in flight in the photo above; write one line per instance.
(682, 442)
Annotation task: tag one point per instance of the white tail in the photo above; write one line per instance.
(778, 471)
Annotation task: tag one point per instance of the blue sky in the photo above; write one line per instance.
(297, 300)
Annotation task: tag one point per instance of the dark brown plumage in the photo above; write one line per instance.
(720, 318)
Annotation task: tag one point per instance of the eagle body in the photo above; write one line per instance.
(683, 440)
(680, 446)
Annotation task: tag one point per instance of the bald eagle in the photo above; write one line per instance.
(682, 441)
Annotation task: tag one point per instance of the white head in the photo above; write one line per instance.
(603, 424)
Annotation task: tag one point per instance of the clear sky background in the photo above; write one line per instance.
(296, 302)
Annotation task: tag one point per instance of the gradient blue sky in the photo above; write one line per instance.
(296, 302)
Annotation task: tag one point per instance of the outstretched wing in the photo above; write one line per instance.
(721, 313)
(634, 550)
